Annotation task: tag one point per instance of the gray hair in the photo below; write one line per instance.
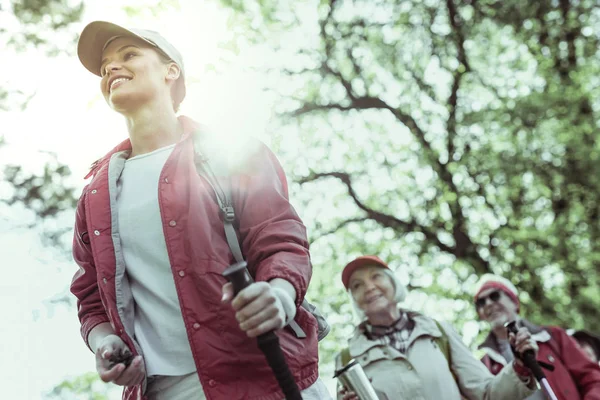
(399, 294)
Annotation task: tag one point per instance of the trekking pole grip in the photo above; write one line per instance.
(239, 276)
(268, 342)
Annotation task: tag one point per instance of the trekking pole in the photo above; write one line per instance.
(528, 358)
(268, 342)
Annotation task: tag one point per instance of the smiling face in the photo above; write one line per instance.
(134, 74)
(498, 312)
(372, 290)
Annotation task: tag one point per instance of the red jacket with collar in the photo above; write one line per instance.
(273, 239)
(574, 376)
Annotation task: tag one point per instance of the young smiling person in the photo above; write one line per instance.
(574, 376)
(401, 350)
(151, 248)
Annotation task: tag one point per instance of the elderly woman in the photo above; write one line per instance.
(408, 355)
(151, 247)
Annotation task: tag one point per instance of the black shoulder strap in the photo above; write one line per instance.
(224, 200)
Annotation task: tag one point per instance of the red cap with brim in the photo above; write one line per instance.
(360, 262)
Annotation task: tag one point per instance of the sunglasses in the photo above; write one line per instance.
(494, 297)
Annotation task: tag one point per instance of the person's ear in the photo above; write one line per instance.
(173, 72)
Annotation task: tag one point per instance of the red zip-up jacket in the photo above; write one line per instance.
(273, 238)
(574, 376)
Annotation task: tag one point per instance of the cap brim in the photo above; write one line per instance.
(359, 263)
(92, 40)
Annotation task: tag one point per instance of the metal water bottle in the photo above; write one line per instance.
(354, 379)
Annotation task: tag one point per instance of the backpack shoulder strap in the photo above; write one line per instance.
(444, 344)
(223, 196)
(345, 356)
(222, 190)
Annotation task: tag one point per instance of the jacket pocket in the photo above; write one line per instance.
(208, 282)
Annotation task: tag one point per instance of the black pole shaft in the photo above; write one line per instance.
(268, 342)
(269, 345)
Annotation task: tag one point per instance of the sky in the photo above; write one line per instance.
(40, 343)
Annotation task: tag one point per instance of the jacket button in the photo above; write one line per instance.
(104, 280)
(94, 191)
(410, 367)
(212, 383)
(173, 223)
(196, 326)
(181, 273)
(97, 232)
(166, 180)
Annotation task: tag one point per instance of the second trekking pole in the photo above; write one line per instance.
(528, 358)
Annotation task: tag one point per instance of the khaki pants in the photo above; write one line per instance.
(187, 387)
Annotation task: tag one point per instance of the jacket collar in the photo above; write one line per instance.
(188, 124)
(377, 331)
(359, 343)
(125, 145)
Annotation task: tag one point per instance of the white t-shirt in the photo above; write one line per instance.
(159, 326)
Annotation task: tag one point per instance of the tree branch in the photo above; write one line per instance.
(464, 244)
(570, 34)
(455, 23)
(423, 86)
(451, 122)
(337, 228)
(383, 219)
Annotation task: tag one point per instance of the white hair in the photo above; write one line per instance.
(399, 294)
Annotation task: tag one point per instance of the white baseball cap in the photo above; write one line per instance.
(98, 34)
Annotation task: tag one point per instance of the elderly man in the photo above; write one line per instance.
(574, 376)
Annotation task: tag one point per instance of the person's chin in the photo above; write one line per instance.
(498, 321)
(121, 101)
(378, 306)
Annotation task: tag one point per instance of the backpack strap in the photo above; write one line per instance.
(223, 197)
(345, 356)
(444, 345)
